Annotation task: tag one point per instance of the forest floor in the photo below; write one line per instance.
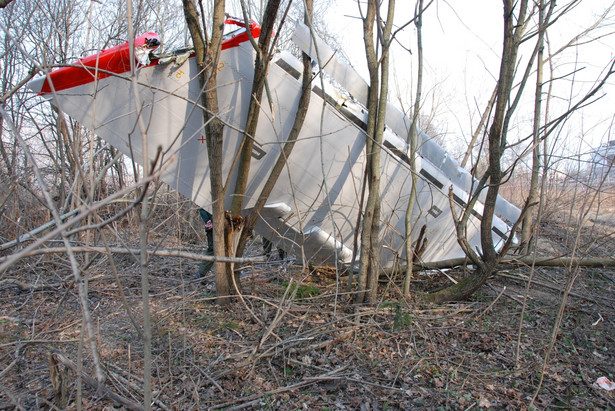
(509, 347)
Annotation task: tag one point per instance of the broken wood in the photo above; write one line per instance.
(99, 388)
(23, 286)
(161, 252)
(59, 381)
(550, 261)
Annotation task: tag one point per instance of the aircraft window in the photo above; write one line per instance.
(233, 33)
(434, 211)
(288, 68)
(433, 180)
(499, 232)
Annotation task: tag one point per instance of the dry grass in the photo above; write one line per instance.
(323, 353)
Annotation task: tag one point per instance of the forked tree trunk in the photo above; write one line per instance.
(304, 102)
(261, 67)
(369, 262)
(372, 106)
(207, 56)
(487, 262)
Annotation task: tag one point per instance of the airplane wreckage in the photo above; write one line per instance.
(316, 200)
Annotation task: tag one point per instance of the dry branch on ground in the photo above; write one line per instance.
(322, 352)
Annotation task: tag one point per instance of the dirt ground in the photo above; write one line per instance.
(507, 348)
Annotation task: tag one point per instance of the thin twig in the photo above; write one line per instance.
(486, 310)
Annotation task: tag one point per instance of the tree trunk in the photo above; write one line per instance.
(207, 61)
(418, 22)
(372, 106)
(304, 102)
(261, 67)
(465, 288)
(489, 258)
(378, 90)
(528, 227)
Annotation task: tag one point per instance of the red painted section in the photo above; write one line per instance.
(114, 60)
(242, 35)
(240, 38)
(117, 59)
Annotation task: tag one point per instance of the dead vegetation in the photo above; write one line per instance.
(293, 340)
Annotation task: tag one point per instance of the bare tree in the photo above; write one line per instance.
(237, 234)
(528, 220)
(375, 28)
(304, 101)
(207, 54)
(412, 142)
(516, 21)
(515, 16)
(540, 133)
(264, 51)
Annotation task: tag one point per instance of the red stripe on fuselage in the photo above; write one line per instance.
(235, 41)
(116, 60)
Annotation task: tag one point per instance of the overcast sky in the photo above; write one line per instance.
(462, 44)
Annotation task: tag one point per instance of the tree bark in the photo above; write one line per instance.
(528, 228)
(378, 90)
(207, 61)
(372, 106)
(261, 67)
(488, 260)
(96, 386)
(506, 263)
(304, 102)
(412, 141)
